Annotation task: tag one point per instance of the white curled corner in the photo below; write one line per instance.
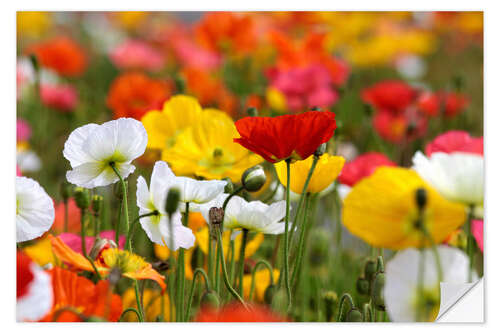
(462, 302)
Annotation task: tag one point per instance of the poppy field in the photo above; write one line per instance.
(247, 166)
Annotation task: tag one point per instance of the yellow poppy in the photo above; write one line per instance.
(326, 171)
(207, 150)
(41, 252)
(151, 300)
(262, 281)
(33, 24)
(179, 113)
(382, 210)
(276, 100)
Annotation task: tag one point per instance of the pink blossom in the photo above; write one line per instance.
(23, 130)
(61, 97)
(18, 171)
(477, 232)
(191, 55)
(136, 54)
(455, 141)
(75, 241)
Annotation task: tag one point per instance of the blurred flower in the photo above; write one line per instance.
(34, 210)
(91, 148)
(294, 137)
(133, 94)
(163, 127)
(23, 130)
(450, 103)
(41, 252)
(262, 281)
(401, 292)
(407, 125)
(33, 290)
(33, 24)
(136, 54)
(411, 67)
(457, 176)
(61, 97)
(238, 313)
(382, 210)
(363, 166)
(73, 217)
(151, 302)
(391, 96)
(129, 20)
(157, 227)
(477, 231)
(206, 149)
(326, 171)
(130, 265)
(75, 241)
(62, 54)
(190, 54)
(276, 100)
(83, 296)
(254, 215)
(455, 141)
(26, 159)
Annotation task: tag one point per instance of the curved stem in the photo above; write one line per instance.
(197, 272)
(124, 193)
(367, 312)
(238, 190)
(130, 310)
(138, 301)
(242, 259)
(128, 241)
(341, 305)
(271, 278)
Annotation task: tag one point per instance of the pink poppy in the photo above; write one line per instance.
(455, 141)
(477, 232)
(23, 130)
(136, 54)
(60, 97)
(75, 241)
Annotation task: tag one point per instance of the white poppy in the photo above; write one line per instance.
(401, 291)
(28, 161)
(36, 300)
(34, 209)
(254, 215)
(153, 199)
(457, 176)
(91, 149)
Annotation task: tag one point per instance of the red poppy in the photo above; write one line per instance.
(454, 103)
(455, 141)
(363, 166)
(395, 128)
(294, 137)
(451, 102)
(237, 313)
(83, 296)
(24, 274)
(391, 95)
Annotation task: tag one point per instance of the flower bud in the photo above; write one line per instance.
(97, 203)
(229, 188)
(331, 299)
(253, 112)
(315, 108)
(215, 216)
(269, 294)
(66, 190)
(82, 198)
(95, 319)
(320, 150)
(363, 286)
(378, 291)
(354, 315)
(100, 245)
(253, 178)
(370, 269)
(211, 299)
(118, 190)
(173, 198)
(34, 62)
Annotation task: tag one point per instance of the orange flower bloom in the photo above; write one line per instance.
(233, 313)
(227, 32)
(133, 94)
(73, 217)
(61, 54)
(130, 265)
(81, 295)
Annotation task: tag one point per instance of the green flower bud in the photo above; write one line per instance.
(253, 178)
(363, 286)
(229, 188)
(330, 298)
(173, 199)
(354, 315)
(370, 269)
(82, 198)
(211, 299)
(97, 203)
(378, 291)
(269, 294)
(66, 190)
(34, 62)
(253, 112)
(320, 150)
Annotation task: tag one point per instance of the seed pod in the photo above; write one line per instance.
(330, 298)
(363, 286)
(354, 315)
(82, 198)
(370, 269)
(378, 291)
(253, 178)
(210, 299)
(172, 202)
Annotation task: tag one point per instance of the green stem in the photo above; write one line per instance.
(470, 243)
(238, 190)
(130, 310)
(138, 301)
(82, 231)
(197, 271)
(180, 268)
(367, 312)
(118, 222)
(242, 259)
(271, 277)
(341, 305)
(285, 247)
(124, 193)
(301, 247)
(421, 295)
(128, 241)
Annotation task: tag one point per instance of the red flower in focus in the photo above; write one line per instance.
(398, 127)
(455, 141)
(73, 217)
(61, 54)
(477, 232)
(452, 103)
(60, 97)
(363, 166)
(289, 136)
(83, 296)
(236, 313)
(133, 94)
(392, 95)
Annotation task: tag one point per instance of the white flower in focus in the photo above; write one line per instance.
(254, 215)
(154, 199)
(401, 291)
(34, 210)
(457, 176)
(92, 148)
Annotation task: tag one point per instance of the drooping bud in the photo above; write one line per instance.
(229, 188)
(81, 196)
(269, 294)
(377, 291)
(370, 269)
(66, 190)
(210, 298)
(100, 245)
(173, 199)
(421, 198)
(354, 315)
(320, 150)
(330, 298)
(253, 178)
(97, 204)
(363, 286)
(253, 112)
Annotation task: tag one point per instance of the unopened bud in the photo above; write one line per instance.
(173, 199)
(363, 286)
(370, 269)
(320, 150)
(95, 319)
(97, 203)
(211, 299)
(82, 198)
(66, 190)
(421, 198)
(315, 108)
(253, 178)
(269, 294)
(252, 112)
(215, 216)
(229, 188)
(330, 298)
(100, 245)
(354, 315)
(378, 291)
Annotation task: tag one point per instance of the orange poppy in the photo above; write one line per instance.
(238, 313)
(133, 94)
(129, 264)
(73, 217)
(81, 295)
(61, 54)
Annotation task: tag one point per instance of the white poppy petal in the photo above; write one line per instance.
(73, 147)
(132, 138)
(38, 301)
(142, 193)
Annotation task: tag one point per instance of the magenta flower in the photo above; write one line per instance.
(75, 242)
(60, 97)
(136, 54)
(477, 232)
(23, 130)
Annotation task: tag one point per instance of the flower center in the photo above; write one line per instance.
(125, 261)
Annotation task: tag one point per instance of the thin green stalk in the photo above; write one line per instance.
(124, 193)
(300, 249)
(367, 312)
(285, 247)
(470, 243)
(138, 301)
(242, 259)
(341, 305)
(118, 223)
(420, 284)
(128, 241)
(82, 232)
(180, 267)
(197, 271)
(217, 270)
(210, 255)
(130, 310)
(271, 277)
(238, 190)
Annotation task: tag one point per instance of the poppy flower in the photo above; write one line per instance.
(477, 232)
(136, 54)
(74, 221)
(363, 166)
(407, 125)
(131, 265)
(82, 296)
(75, 241)
(61, 54)
(133, 94)
(23, 130)
(455, 141)
(391, 95)
(452, 103)
(294, 137)
(33, 290)
(233, 313)
(60, 97)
